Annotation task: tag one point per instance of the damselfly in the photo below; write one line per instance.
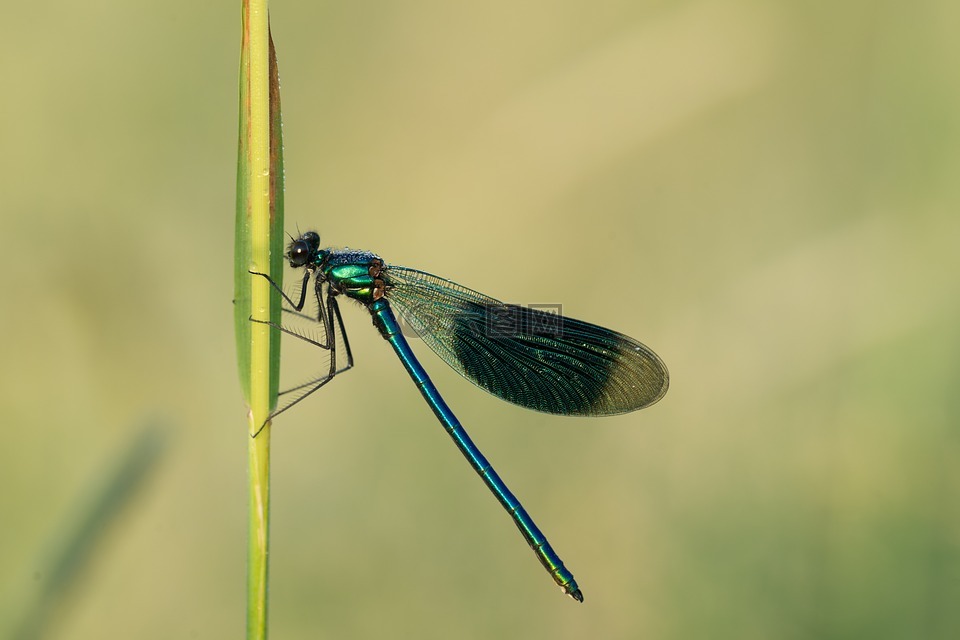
(527, 356)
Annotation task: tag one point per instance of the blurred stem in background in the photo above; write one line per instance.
(259, 235)
(80, 534)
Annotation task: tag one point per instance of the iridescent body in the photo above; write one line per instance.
(529, 357)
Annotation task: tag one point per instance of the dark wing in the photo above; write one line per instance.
(526, 356)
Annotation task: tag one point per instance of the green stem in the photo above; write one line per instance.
(259, 535)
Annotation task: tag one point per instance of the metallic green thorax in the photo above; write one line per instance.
(355, 274)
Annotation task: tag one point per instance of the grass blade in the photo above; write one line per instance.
(259, 247)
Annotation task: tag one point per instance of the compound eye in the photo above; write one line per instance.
(312, 238)
(299, 253)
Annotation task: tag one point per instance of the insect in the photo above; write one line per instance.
(526, 356)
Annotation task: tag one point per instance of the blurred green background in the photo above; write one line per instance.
(765, 193)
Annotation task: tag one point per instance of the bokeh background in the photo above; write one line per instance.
(765, 192)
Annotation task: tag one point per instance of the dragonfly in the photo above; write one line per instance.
(527, 356)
